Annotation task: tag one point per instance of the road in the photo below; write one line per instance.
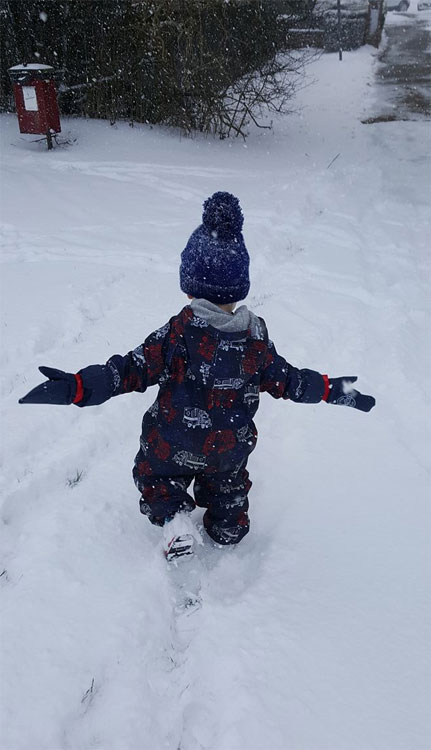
(404, 69)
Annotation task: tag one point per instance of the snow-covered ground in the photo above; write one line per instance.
(313, 632)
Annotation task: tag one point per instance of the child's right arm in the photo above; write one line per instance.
(96, 384)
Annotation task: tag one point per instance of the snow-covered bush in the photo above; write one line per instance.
(208, 65)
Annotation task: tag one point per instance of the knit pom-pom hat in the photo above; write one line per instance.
(215, 261)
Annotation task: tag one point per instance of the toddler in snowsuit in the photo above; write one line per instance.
(211, 363)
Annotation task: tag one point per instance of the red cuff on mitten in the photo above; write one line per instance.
(326, 391)
(79, 390)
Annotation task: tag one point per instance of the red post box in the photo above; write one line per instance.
(36, 99)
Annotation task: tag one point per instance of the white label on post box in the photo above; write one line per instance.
(30, 99)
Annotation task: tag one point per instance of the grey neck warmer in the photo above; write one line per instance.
(239, 320)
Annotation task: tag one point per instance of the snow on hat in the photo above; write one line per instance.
(215, 261)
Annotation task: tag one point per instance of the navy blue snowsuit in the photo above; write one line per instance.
(201, 425)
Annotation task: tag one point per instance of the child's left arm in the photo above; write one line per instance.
(283, 380)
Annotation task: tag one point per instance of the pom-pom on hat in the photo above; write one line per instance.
(215, 261)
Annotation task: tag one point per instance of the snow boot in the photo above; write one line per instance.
(179, 537)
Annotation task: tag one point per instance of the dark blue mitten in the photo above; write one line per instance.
(60, 388)
(89, 387)
(341, 392)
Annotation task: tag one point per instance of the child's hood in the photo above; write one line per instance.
(239, 320)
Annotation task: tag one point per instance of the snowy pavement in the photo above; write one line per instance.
(314, 632)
